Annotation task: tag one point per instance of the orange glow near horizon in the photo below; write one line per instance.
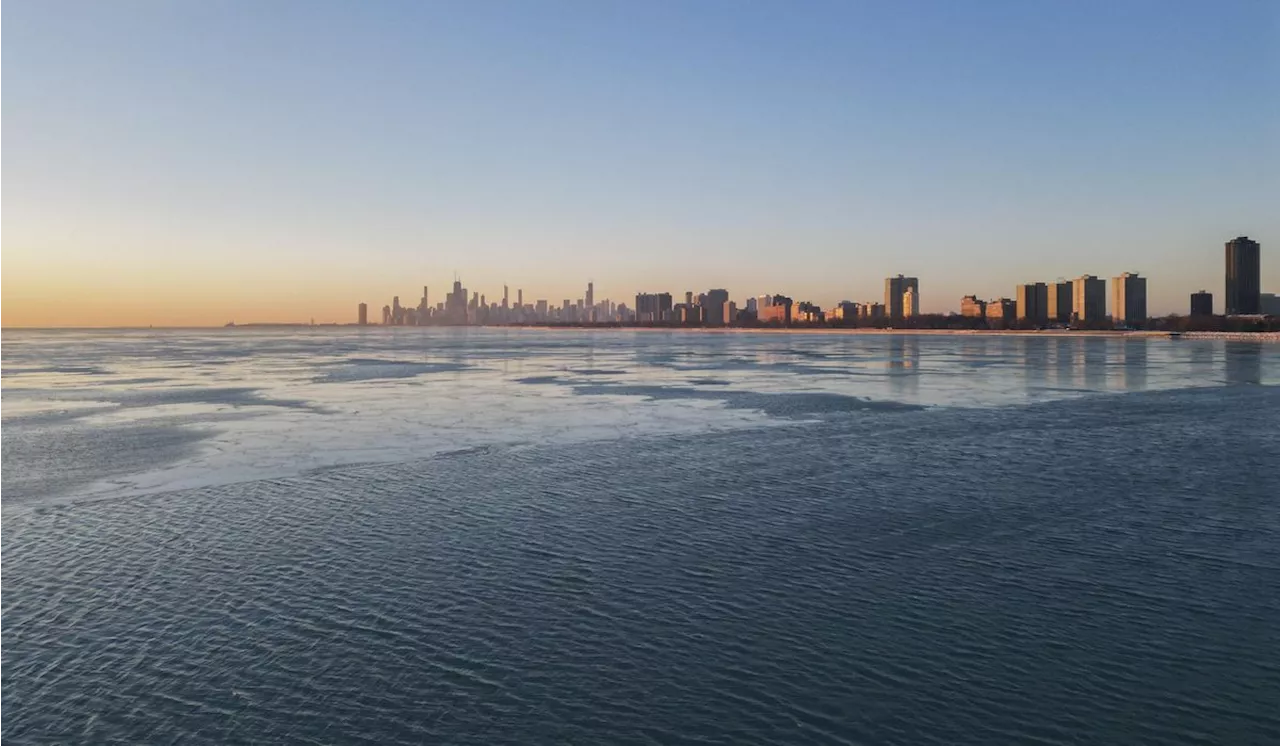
(73, 299)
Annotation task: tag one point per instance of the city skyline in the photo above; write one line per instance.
(334, 304)
(1081, 300)
(1088, 298)
(196, 164)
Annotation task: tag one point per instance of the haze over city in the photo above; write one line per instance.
(192, 164)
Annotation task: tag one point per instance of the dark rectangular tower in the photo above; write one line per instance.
(1060, 301)
(894, 290)
(1202, 303)
(1033, 302)
(1244, 276)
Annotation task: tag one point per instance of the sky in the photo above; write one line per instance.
(186, 163)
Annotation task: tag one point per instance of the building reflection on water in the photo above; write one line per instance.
(1091, 362)
(1133, 359)
(1243, 362)
(904, 365)
(1064, 363)
(1201, 357)
(1035, 354)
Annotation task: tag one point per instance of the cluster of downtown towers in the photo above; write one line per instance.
(1080, 300)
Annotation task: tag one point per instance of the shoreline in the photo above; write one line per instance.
(1271, 337)
(1231, 336)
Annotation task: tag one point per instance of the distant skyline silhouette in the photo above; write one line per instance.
(192, 163)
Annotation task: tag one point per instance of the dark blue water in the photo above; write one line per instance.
(1097, 569)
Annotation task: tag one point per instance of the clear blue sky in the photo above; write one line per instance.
(289, 159)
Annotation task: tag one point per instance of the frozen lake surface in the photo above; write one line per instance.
(113, 413)
(529, 536)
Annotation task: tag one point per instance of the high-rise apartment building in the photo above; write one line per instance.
(1033, 302)
(1059, 301)
(1001, 313)
(653, 307)
(778, 311)
(1244, 276)
(807, 313)
(688, 314)
(1088, 299)
(894, 289)
(845, 310)
(871, 311)
(972, 307)
(716, 307)
(1202, 303)
(910, 303)
(1129, 299)
(362, 314)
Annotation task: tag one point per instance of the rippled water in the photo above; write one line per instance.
(475, 536)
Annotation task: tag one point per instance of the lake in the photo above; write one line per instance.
(546, 536)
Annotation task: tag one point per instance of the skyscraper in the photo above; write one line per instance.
(1033, 302)
(894, 288)
(910, 303)
(1129, 299)
(362, 314)
(504, 297)
(1244, 276)
(716, 307)
(653, 307)
(1059, 301)
(591, 296)
(456, 304)
(1088, 299)
(397, 313)
(1202, 303)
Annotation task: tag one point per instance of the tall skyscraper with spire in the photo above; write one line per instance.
(456, 304)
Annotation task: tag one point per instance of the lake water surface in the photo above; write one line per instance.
(524, 536)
